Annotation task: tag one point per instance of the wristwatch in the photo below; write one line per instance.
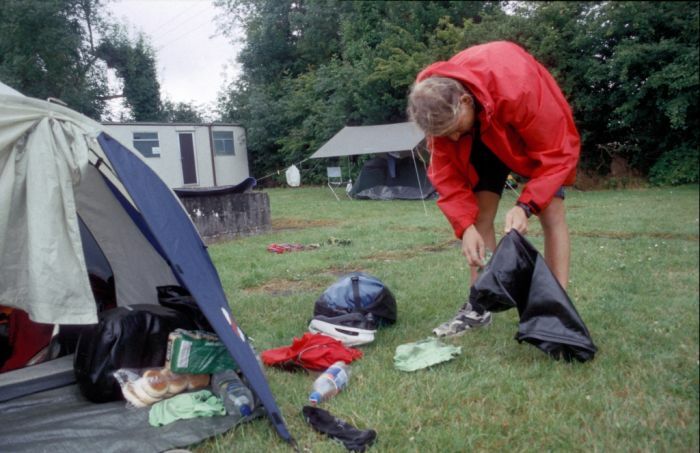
(526, 208)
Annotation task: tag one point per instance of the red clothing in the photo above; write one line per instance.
(524, 119)
(313, 351)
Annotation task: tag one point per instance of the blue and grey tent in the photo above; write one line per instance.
(59, 169)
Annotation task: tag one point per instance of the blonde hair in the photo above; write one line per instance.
(434, 104)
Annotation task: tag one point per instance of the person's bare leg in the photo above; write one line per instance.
(488, 206)
(557, 247)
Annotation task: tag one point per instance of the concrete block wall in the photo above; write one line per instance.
(226, 216)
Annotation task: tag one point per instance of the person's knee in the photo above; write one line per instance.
(554, 216)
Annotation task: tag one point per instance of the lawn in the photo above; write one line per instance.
(634, 281)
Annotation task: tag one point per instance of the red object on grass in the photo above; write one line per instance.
(281, 248)
(314, 352)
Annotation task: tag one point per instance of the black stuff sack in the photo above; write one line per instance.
(517, 276)
(134, 336)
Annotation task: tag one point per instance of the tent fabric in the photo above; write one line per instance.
(37, 378)
(138, 268)
(63, 421)
(186, 253)
(4, 89)
(42, 268)
(46, 152)
(385, 138)
(517, 276)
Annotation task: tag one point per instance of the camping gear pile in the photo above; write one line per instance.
(347, 314)
(87, 227)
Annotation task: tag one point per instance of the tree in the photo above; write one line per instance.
(135, 64)
(628, 69)
(47, 50)
(309, 68)
(180, 112)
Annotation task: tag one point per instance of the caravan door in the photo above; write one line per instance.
(189, 169)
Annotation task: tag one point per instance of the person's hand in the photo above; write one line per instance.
(516, 219)
(473, 247)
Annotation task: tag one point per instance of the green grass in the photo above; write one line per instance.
(634, 281)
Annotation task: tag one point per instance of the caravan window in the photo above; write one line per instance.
(147, 143)
(223, 143)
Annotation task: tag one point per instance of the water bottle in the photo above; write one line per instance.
(237, 397)
(330, 382)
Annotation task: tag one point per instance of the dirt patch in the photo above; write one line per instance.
(445, 245)
(624, 235)
(393, 255)
(338, 271)
(284, 287)
(288, 223)
(408, 229)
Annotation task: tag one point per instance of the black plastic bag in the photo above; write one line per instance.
(517, 276)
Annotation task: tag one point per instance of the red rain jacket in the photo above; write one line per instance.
(525, 120)
(313, 351)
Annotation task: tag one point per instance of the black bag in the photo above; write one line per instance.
(178, 298)
(517, 276)
(134, 336)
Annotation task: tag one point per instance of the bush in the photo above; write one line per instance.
(678, 166)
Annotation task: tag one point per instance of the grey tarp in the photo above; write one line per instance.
(383, 138)
(63, 421)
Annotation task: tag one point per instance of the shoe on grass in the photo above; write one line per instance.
(465, 319)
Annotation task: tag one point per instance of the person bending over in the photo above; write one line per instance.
(490, 110)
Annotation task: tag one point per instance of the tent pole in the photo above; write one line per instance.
(420, 186)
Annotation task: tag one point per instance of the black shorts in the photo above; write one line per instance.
(491, 170)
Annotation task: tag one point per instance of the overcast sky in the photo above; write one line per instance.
(192, 60)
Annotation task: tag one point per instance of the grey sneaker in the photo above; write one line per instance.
(465, 319)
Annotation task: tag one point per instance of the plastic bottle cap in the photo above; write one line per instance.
(245, 410)
(315, 397)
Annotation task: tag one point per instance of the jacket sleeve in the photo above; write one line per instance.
(456, 198)
(543, 119)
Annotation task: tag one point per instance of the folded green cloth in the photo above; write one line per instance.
(185, 405)
(423, 353)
